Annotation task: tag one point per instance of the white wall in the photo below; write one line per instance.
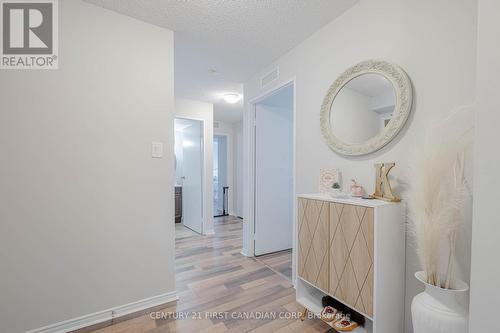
(86, 213)
(352, 119)
(202, 111)
(434, 41)
(485, 284)
(238, 166)
(384, 101)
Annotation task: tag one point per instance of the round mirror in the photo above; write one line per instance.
(365, 108)
(362, 108)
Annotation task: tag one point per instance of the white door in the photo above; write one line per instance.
(192, 168)
(273, 179)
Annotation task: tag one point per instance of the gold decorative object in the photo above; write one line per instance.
(383, 188)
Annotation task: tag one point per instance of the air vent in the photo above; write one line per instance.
(216, 124)
(270, 77)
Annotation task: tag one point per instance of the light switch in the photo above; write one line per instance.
(156, 149)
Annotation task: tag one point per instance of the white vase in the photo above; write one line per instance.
(439, 310)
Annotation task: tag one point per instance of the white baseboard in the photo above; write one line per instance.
(106, 315)
(245, 252)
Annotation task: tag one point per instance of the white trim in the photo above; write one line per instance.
(249, 154)
(294, 213)
(229, 164)
(207, 220)
(106, 315)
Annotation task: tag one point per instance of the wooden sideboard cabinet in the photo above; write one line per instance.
(354, 251)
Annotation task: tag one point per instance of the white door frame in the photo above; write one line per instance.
(229, 168)
(204, 220)
(249, 153)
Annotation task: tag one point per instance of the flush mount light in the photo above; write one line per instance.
(231, 98)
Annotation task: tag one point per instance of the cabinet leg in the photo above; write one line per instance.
(303, 314)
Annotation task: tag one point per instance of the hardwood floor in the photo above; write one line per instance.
(218, 287)
(181, 231)
(280, 262)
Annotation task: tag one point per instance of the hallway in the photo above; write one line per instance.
(213, 276)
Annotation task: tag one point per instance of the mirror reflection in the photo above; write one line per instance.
(362, 108)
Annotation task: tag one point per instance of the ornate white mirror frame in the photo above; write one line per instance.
(403, 93)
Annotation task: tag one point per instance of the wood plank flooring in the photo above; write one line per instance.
(218, 287)
(280, 262)
(181, 231)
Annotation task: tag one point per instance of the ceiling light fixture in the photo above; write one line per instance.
(231, 98)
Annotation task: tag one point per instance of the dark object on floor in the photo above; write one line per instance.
(353, 315)
(178, 204)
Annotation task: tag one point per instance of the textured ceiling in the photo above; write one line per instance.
(234, 37)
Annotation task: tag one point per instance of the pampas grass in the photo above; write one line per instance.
(438, 191)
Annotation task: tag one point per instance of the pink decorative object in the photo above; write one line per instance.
(357, 190)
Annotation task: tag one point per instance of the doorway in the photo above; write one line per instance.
(189, 175)
(274, 170)
(220, 177)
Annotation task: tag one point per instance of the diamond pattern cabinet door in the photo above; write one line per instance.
(313, 235)
(348, 289)
(301, 253)
(364, 261)
(351, 255)
(338, 251)
(366, 295)
(349, 223)
(360, 258)
(367, 229)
